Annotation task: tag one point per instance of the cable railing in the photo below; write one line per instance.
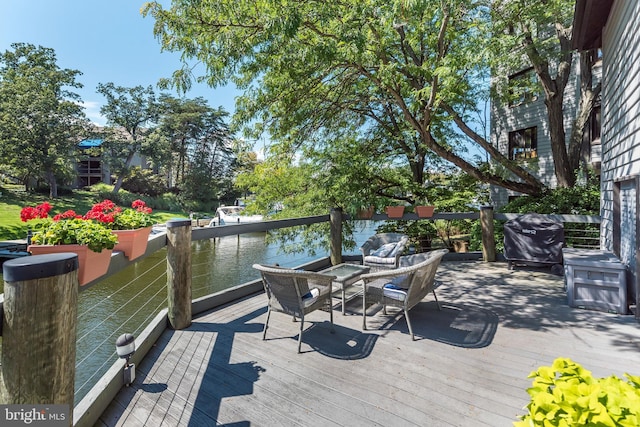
(132, 294)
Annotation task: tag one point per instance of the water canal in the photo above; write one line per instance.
(127, 301)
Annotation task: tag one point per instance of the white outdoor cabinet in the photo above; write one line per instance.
(596, 280)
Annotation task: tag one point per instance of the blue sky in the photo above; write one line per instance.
(108, 41)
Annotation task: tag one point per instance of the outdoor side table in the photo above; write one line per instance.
(347, 276)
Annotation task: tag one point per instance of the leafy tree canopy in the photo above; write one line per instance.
(41, 119)
(400, 80)
(131, 114)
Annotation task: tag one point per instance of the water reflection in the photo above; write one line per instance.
(127, 301)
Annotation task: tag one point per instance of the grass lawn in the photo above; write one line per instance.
(14, 198)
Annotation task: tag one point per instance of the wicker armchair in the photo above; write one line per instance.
(403, 287)
(295, 292)
(383, 250)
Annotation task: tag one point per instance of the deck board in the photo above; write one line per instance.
(468, 366)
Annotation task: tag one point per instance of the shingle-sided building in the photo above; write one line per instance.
(614, 25)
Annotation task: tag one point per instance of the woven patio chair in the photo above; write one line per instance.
(295, 292)
(403, 287)
(383, 250)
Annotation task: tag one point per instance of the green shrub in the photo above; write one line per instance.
(565, 394)
(578, 200)
(144, 181)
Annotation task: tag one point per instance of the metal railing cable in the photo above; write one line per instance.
(122, 308)
(131, 282)
(111, 337)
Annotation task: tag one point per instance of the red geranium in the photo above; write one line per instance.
(70, 214)
(105, 212)
(39, 212)
(141, 206)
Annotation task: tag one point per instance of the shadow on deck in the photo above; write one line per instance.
(468, 366)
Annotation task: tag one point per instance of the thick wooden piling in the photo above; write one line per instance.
(335, 219)
(488, 236)
(39, 330)
(179, 273)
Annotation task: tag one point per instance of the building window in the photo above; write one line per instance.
(522, 87)
(523, 144)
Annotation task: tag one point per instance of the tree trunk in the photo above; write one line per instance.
(53, 184)
(127, 165)
(578, 147)
(564, 174)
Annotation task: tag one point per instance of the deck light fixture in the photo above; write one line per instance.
(125, 347)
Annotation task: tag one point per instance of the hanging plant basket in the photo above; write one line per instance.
(424, 211)
(394, 211)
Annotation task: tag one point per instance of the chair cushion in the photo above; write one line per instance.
(310, 297)
(394, 292)
(384, 250)
(379, 260)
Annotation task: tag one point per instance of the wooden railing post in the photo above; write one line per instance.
(335, 219)
(39, 330)
(179, 273)
(488, 236)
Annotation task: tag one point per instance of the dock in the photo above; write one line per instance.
(468, 366)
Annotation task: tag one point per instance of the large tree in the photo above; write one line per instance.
(538, 34)
(131, 114)
(399, 79)
(201, 147)
(41, 119)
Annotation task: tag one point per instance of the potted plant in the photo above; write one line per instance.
(131, 225)
(424, 211)
(365, 213)
(69, 232)
(394, 211)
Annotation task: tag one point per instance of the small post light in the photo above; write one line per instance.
(125, 347)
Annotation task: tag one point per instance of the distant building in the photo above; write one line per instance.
(520, 128)
(91, 169)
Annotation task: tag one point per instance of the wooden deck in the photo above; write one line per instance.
(468, 367)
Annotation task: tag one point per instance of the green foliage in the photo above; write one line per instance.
(582, 199)
(376, 86)
(75, 231)
(41, 119)
(130, 113)
(144, 181)
(579, 200)
(565, 395)
(12, 200)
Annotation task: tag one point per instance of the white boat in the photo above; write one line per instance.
(228, 215)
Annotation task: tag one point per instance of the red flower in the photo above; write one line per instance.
(141, 206)
(105, 212)
(39, 212)
(70, 214)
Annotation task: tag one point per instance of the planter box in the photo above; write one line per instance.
(424, 211)
(595, 280)
(394, 211)
(91, 265)
(132, 242)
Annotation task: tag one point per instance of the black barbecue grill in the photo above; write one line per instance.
(533, 240)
